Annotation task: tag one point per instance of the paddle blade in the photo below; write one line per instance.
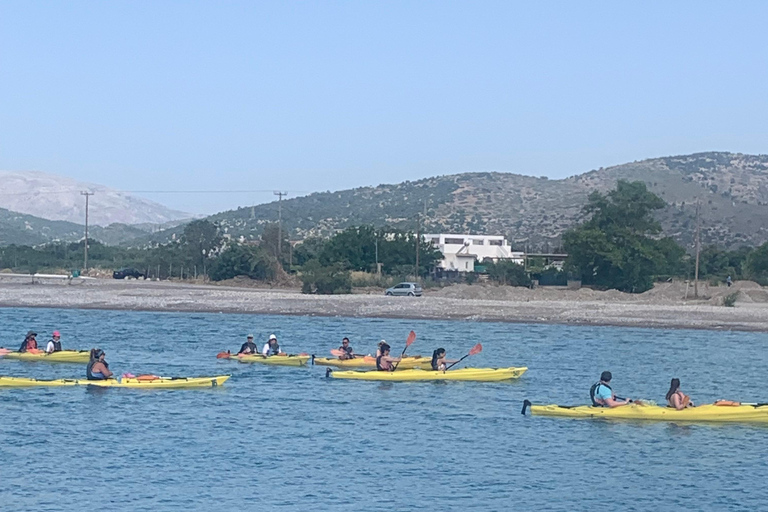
(336, 352)
(411, 339)
(476, 349)
(222, 355)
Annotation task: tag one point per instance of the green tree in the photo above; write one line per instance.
(307, 250)
(618, 246)
(244, 260)
(325, 279)
(202, 239)
(356, 248)
(507, 272)
(756, 265)
(275, 241)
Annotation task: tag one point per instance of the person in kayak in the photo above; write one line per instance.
(676, 398)
(378, 347)
(249, 347)
(439, 362)
(384, 360)
(346, 350)
(30, 342)
(98, 368)
(271, 347)
(54, 344)
(602, 394)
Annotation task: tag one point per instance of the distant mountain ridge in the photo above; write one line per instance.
(58, 198)
(732, 189)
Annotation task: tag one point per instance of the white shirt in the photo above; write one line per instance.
(265, 350)
(50, 348)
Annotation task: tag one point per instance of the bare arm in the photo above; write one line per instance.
(612, 402)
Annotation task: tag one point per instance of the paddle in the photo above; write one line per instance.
(408, 343)
(474, 350)
(223, 355)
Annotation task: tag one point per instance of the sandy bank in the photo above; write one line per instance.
(547, 306)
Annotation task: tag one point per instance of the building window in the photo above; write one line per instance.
(436, 241)
(466, 264)
(495, 242)
(478, 241)
(454, 241)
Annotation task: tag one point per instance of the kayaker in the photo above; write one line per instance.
(602, 395)
(384, 361)
(54, 344)
(439, 362)
(271, 347)
(378, 347)
(98, 368)
(249, 347)
(346, 350)
(676, 398)
(30, 342)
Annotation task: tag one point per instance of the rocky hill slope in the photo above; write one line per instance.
(732, 190)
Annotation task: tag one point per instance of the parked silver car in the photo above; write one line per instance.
(410, 289)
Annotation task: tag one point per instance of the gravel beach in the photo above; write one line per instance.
(661, 307)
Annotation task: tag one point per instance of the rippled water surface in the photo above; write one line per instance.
(288, 439)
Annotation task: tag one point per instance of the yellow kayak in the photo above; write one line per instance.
(708, 412)
(291, 360)
(465, 374)
(160, 382)
(63, 356)
(370, 362)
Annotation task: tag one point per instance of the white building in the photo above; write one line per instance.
(462, 252)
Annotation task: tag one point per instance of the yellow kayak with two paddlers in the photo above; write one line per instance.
(62, 356)
(718, 412)
(464, 374)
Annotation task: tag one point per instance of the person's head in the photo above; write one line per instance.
(250, 337)
(31, 335)
(606, 376)
(673, 387)
(384, 349)
(382, 342)
(438, 353)
(56, 335)
(272, 339)
(345, 342)
(97, 354)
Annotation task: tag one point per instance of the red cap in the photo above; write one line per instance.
(56, 333)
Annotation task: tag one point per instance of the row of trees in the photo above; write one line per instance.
(619, 245)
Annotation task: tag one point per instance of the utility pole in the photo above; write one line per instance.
(698, 251)
(418, 240)
(85, 252)
(280, 220)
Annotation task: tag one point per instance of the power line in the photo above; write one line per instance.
(53, 192)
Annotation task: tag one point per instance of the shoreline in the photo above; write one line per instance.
(560, 309)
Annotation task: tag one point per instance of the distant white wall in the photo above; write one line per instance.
(462, 252)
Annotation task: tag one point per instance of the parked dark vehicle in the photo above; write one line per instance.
(127, 272)
(409, 289)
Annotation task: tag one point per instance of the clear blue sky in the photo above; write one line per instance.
(307, 96)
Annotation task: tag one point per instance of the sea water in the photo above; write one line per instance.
(283, 438)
